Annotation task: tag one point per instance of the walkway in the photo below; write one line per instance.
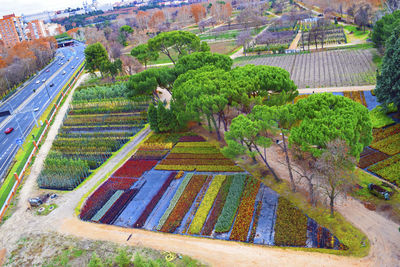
(295, 41)
(337, 89)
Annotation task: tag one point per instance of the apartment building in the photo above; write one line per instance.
(12, 30)
(36, 29)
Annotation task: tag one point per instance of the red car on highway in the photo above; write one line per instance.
(9, 130)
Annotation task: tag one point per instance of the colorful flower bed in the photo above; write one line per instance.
(116, 209)
(389, 145)
(388, 169)
(191, 139)
(174, 200)
(246, 209)
(232, 202)
(206, 204)
(218, 206)
(185, 201)
(150, 154)
(382, 133)
(143, 217)
(134, 168)
(290, 225)
(255, 222)
(194, 156)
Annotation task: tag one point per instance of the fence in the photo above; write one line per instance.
(18, 177)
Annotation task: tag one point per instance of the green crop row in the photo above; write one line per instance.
(205, 206)
(228, 213)
(195, 150)
(174, 200)
(290, 225)
(194, 144)
(390, 145)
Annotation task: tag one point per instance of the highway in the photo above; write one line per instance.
(35, 94)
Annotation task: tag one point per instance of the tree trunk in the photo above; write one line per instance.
(311, 189)
(216, 127)
(277, 179)
(332, 204)
(293, 185)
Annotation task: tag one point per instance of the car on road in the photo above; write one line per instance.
(44, 80)
(72, 67)
(52, 84)
(77, 57)
(36, 109)
(47, 70)
(38, 81)
(9, 130)
(63, 73)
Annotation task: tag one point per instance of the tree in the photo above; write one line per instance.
(143, 54)
(204, 47)
(383, 28)
(152, 118)
(166, 119)
(182, 42)
(96, 56)
(124, 31)
(335, 168)
(244, 38)
(324, 117)
(144, 83)
(246, 136)
(198, 12)
(277, 119)
(363, 16)
(387, 87)
(157, 19)
(200, 59)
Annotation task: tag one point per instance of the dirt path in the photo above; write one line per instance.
(337, 89)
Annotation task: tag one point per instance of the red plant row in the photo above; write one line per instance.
(218, 206)
(192, 139)
(194, 156)
(367, 150)
(255, 222)
(102, 194)
(246, 210)
(135, 168)
(371, 158)
(184, 203)
(218, 162)
(152, 204)
(115, 210)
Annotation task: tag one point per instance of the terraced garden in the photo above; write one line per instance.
(184, 185)
(322, 69)
(98, 123)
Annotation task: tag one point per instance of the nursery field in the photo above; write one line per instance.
(99, 121)
(182, 184)
(323, 69)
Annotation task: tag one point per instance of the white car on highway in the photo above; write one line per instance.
(38, 81)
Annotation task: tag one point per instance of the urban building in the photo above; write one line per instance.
(12, 30)
(36, 29)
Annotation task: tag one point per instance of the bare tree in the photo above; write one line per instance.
(363, 16)
(244, 38)
(335, 168)
(392, 5)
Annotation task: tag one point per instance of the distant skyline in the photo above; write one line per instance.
(19, 7)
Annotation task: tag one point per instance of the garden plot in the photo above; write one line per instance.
(323, 69)
(213, 203)
(98, 123)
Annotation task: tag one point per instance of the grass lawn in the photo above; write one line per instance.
(225, 48)
(356, 35)
(379, 118)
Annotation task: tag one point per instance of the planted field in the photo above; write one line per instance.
(228, 206)
(323, 69)
(382, 158)
(98, 123)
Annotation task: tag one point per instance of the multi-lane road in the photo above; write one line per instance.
(33, 99)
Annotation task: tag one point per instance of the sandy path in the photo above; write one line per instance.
(336, 89)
